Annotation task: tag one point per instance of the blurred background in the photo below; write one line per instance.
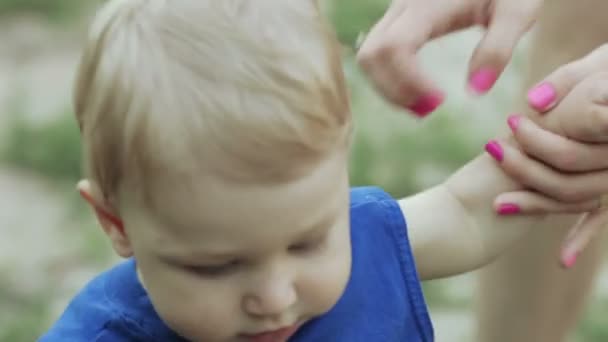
(49, 244)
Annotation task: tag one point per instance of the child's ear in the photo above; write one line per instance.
(106, 215)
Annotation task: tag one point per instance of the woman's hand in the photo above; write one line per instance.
(568, 168)
(388, 54)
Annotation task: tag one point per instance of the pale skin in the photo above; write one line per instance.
(557, 192)
(390, 50)
(526, 291)
(223, 261)
(388, 54)
(248, 258)
(582, 88)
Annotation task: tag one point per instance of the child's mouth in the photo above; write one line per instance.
(279, 335)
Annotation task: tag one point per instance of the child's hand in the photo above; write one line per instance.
(388, 54)
(576, 98)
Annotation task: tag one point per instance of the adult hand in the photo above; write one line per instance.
(388, 54)
(571, 158)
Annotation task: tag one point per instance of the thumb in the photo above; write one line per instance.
(495, 49)
(550, 91)
(583, 114)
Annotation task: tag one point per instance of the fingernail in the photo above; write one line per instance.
(543, 96)
(508, 209)
(514, 121)
(483, 80)
(495, 150)
(569, 260)
(426, 104)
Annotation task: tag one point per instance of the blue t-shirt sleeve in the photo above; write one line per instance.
(113, 307)
(383, 300)
(376, 216)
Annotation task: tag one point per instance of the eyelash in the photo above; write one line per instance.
(215, 270)
(308, 247)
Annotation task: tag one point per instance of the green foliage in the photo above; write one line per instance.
(435, 294)
(594, 326)
(403, 155)
(52, 148)
(56, 9)
(24, 315)
(350, 18)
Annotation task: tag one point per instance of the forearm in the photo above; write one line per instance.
(453, 227)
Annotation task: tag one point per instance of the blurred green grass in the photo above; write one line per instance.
(594, 325)
(51, 149)
(55, 11)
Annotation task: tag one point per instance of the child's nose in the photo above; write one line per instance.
(271, 299)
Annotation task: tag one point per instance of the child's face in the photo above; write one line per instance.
(223, 262)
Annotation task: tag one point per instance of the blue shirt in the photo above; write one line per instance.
(383, 300)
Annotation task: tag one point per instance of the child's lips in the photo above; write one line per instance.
(279, 335)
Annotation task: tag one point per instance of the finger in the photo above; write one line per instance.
(577, 225)
(538, 176)
(584, 232)
(555, 150)
(389, 58)
(584, 112)
(549, 92)
(393, 12)
(529, 202)
(418, 92)
(495, 49)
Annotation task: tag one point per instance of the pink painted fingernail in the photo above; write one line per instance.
(569, 260)
(508, 209)
(483, 80)
(542, 97)
(514, 121)
(495, 150)
(426, 104)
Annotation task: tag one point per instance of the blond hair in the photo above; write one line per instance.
(249, 90)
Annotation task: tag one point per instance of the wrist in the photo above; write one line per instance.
(490, 234)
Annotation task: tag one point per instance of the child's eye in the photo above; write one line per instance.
(214, 270)
(308, 246)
